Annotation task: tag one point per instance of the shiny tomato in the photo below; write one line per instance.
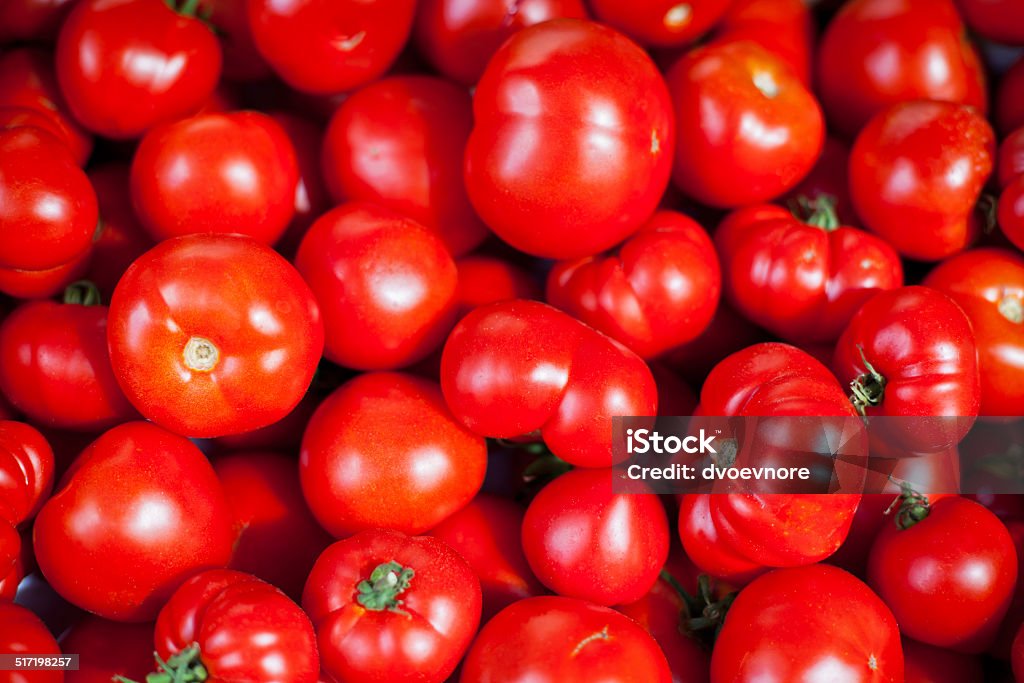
(22, 633)
(876, 53)
(26, 479)
(127, 65)
(747, 128)
(156, 514)
(108, 648)
(926, 664)
(213, 335)
(1011, 211)
(563, 640)
(660, 22)
(1011, 158)
(488, 279)
(1001, 21)
(42, 284)
(706, 547)
(564, 159)
(659, 291)
(389, 608)
(783, 27)
(385, 283)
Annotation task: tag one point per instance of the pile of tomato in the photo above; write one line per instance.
(315, 317)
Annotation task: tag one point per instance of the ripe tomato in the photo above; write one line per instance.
(392, 608)
(916, 172)
(747, 128)
(26, 479)
(48, 208)
(1001, 21)
(386, 285)
(876, 53)
(330, 46)
(659, 291)
(783, 27)
(311, 198)
(563, 640)
(121, 239)
(127, 65)
(564, 160)
(947, 570)
(213, 335)
(108, 648)
(42, 284)
(706, 547)
(399, 143)
(21, 632)
(661, 22)
(216, 173)
(156, 514)
(1009, 113)
(488, 279)
(523, 368)
(802, 279)
(235, 627)
(1011, 158)
(926, 664)
(804, 624)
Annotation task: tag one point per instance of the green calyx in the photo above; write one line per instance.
(819, 212)
(183, 667)
(911, 507)
(191, 8)
(869, 388)
(82, 293)
(380, 592)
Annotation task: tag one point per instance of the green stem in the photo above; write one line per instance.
(82, 293)
(183, 667)
(913, 507)
(819, 212)
(869, 388)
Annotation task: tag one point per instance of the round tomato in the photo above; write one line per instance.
(727, 333)
(706, 547)
(22, 633)
(488, 279)
(42, 284)
(213, 335)
(1011, 158)
(661, 22)
(783, 27)
(1011, 211)
(108, 648)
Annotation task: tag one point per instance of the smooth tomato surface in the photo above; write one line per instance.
(21, 632)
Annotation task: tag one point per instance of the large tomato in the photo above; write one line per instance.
(213, 335)
(22, 633)
(660, 22)
(389, 608)
(26, 479)
(108, 648)
(565, 160)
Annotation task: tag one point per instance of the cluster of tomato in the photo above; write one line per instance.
(316, 314)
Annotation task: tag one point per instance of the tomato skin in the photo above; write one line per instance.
(791, 623)
(125, 564)
(399, 143)
(47, 205)
(1009, 113)
(26, 479)
(705, 546)
(21, 632)
(1001, 21)
(783, 27)
(386, 285)
(876, 53)
(927, 664)
(41, 284)
(108, 648)
(1011, 211)
(1011, 158)
(360, 471)
(659, 291)
(829, 177)
(488, 279)
(658, 22)
(190, 292)
(327, 46)
(311, 197)
(542, 169)
(229, 615)
(948, 150)
(424, 641)
(948, 578)
(32, 20)
(242, 61)
(121, 81)
(121, 239)
(216, 173)
(553, 639)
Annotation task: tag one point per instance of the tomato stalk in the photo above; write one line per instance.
(913, 507)
(712, 612)
(988, 207)
(183, 667)
(387, 581)
(868, 388)
(819, 212)
(82, 293)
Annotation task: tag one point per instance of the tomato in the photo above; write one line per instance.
(563, 640)
(157, 514)
(230, 18)
(47, 206)
(42, 284)
(311, 197)
(523, 368)
(127, 65)
(458, 37)
(727, 333)
(706, 547)
(384, 451)
(213, 335)
(488, 279)
(21, 632)
(659, 291)
(54, 364)
(947, 570)
(486, 533)
(399, 143)
(26, 479)
(747, 128)
(121, 239)
(329, 46)
(1001, 21)
(927, 664)
(233, 627)
(916, 172)
(1009, 105)
(660, 22)
(876, 53)
(15, 571)
(271, 519)
(564, 160)
(31, 20)
(17, 116)
(389, 607)
(783, 27)
(108, 648)
(1011, 158)
(216, 173)
(829, 179)
(386, 285)
(804, 624)
(285, 435)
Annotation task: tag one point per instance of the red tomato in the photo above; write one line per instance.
(783, 27)
(947, 570)
(706, 547)
(563, 640)
(458, 37)
(486, 533)
(867, 522)
(32, 20)
(747, 128)
(329, 46)
(42, 284)
(311, 198)
(21, 116)
(107, 648)
(26, 479)
(48, 208)
(271, 519)
(21, 632)
(235, 627)
(392, 608)
(216, 173)
(399, 143)
(876, 53)
(727, 333)
(15, 572)
(285, 435)
(802, 279)
(1009, 113)
(523, 368)
(565, 160)
(659, 291)
(230, 18)
(384, 451)
(1001, 21)
(127, 65)
(213, 335)
(487, 279)
(1011, 158)
(661, 22)
(156, 514)
(805, 624)
(926, 664)
(121, 239)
